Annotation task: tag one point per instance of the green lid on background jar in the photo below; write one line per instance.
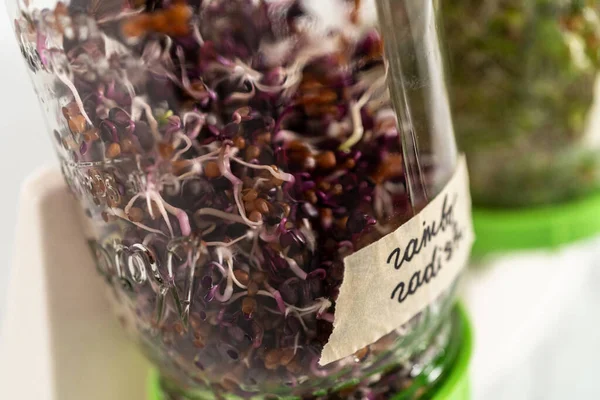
(536, 228)
(454, 387)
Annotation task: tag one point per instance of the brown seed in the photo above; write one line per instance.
(311, 196)
(350, 163)
(77, 124)
(273, 356)
(239, 142)
(326, 96)
(180, 166)
(113, 150)
(165, 150)
(249, 195)
(294, 367)
(91, 135)
(211, 170)
(255, 216)
(263, 138)
(258, 277)
(261, 206)
(249, 305)
(178, 327)
(391, 167)
(337, 189)
(127, 145)
(326, 160)
(324, 185)
(249, 206)
(136, 26)
(361, 354)
(71, 110)
(69, 143)
(341, 223)
(135, 214)
(242, 276)
(252, 152)
(198, 342)
(287, 355)
(326, 217)
(252, 288)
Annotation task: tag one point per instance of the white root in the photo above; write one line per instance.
(119, 213)
(284, 176)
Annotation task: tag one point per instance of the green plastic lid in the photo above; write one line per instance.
(535, 228)
(456, 386)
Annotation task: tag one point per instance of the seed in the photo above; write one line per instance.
(136, 26)
(311, 196)
(249, 206)
(249, 195)
(261, 206)
(165, 150)
(326, 217)
(239, 142)
(69, 143)
(324, 185)
(242, 276)
(252, 288)
(326, 160)
(70, 110)
(180, 166)
(272, 358)
(77, 124)
(294, 367)
(255, 216)
(350, 163)
(361, 354)
(178, 327)
(341, 223)
(211, 170)
(252, 152)
(135, 214)
(258, 277)
(263, 138)
(287, 355)
(248, 305)
(91, 135)
(113, 150)
(198, 342)
(127, 145)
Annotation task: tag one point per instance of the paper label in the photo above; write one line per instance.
(390, 281)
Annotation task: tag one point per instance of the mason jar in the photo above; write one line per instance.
(524, 84)
(229, 155)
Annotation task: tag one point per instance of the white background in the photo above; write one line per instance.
(24, 144)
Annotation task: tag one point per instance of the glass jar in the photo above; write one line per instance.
(228, 155)
(524, 84)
